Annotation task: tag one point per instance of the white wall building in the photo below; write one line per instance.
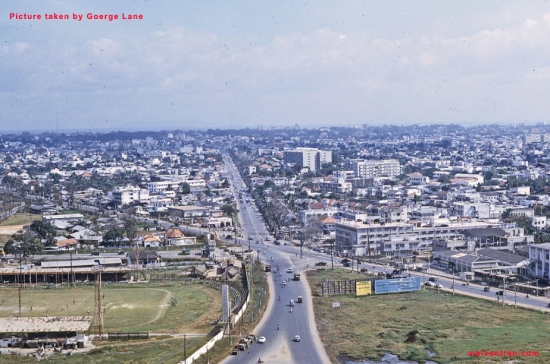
(375, 168)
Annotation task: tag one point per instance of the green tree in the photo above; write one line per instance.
(27, 243)
(487, 176)
(228, 210)
(131, 230)
(113, 236)
(56, 177)
(45, 230)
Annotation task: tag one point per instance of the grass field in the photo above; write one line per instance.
(408, 324)
(129, 308)
(20, 219)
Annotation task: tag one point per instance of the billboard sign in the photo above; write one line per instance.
(397, 285)
(363, 288)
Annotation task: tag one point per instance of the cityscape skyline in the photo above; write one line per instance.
(244, 64)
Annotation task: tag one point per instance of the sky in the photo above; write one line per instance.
(232, 64)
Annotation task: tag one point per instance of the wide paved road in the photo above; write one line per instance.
(279, 347)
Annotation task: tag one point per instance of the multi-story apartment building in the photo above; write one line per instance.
(337, 185)
(350, 235)
(374, 168)
(130, 194)
(539, 255)
(308, 157)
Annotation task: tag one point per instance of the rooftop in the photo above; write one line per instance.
(45, 324)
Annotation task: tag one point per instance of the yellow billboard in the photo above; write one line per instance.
(363, 288)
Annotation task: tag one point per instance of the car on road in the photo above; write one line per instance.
(286, 243)
(439, 285)
(289, 270)
(486, 289)
(429, 284)
(297, 338)
(261, 340)
(267, 238)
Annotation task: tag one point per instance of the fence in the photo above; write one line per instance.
(234, 320)
(128, 335)
(203, 349)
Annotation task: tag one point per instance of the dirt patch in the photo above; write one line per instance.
(10, 230)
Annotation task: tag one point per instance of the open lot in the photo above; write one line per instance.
(20, 220)
(170, 308)
(411, 324)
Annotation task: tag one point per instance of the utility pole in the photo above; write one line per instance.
(503, 291)
(72, 275)
(516, 295)
(20, 282)
(332, 256)
(184, 347)
(453, 280)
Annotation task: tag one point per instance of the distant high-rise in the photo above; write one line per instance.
(308, 157)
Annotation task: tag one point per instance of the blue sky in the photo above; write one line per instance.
(230, 64)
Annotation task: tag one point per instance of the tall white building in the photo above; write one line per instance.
(308, 157)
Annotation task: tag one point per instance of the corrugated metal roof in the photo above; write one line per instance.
(81, 262)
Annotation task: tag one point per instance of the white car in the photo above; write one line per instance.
(289, 270)
(261, 340)
(438, 286)
(429, 284)
(297, 338)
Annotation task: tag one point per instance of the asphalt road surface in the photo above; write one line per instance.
(294, 320)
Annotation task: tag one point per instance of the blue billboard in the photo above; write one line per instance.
(397, 285)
